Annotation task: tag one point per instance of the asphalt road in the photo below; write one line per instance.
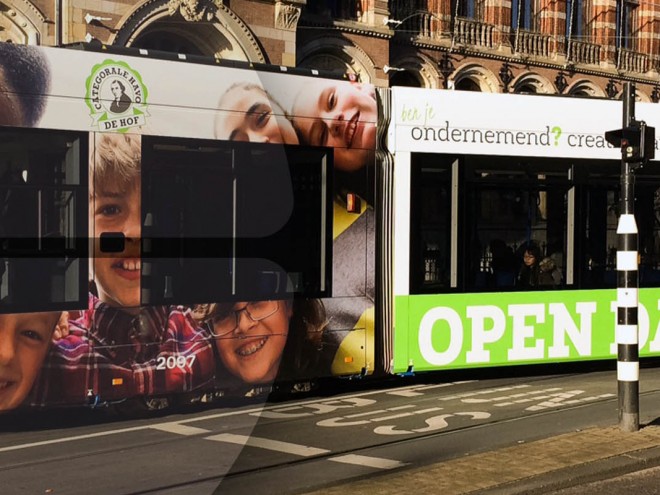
(300, 445)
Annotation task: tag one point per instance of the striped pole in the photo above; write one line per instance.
(627, 264)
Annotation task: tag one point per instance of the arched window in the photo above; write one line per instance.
(467, 84)
(166, 41)
(405, 78)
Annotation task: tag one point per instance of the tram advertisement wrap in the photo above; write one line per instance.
(515, 125)
(496, 329)
(118, 343)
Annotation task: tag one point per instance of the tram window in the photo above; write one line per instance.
(229, 220)
(430, 241)
(43, 220)
(509, 204)
(600, 204)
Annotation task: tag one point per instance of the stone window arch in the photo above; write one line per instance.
(406, 78)
(416, 66)
(334, 53)
(473, 77)
(585, 88)
(202, 27)
(532, 83)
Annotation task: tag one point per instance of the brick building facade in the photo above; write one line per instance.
(576, 47)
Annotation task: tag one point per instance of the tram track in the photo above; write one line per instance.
(239, 472)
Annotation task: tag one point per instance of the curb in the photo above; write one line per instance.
(579, 474)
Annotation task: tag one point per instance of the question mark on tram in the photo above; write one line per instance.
(557, 132)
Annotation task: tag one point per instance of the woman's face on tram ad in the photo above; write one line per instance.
(24, 342)
(117, 275)
(339, 115)
(250, 338)
(249, 114)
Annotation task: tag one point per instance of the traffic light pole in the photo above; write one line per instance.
(627, 265)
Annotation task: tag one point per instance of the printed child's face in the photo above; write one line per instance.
(249, 115)
(252, 352)
(117, 275)
(24, 342)
(339, 115)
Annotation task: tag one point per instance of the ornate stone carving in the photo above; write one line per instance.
(286, 16)
(192, 10)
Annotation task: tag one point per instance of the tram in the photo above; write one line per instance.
(504, 230)
(180, 226)
(183, 226)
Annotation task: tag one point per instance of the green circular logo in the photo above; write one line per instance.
(116, 97)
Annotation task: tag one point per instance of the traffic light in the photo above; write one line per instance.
(637, 141)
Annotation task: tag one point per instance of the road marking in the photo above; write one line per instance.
(483, 392)
(72, 439)
(529, 396)
(266, 443)
(207, 417)
(560, 402)
(324, 407)
(363, 460)
(405, 393)
(434, 423)
(405, 415)
(418, 390)
(180, 429)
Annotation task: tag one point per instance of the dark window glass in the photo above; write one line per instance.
(575, 19)
(471, 9)
(600, 208)
(430, 241)
(233, 220)
(510, 203)
(43, 220)
(626, 17)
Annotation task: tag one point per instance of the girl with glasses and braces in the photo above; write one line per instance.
(259, 341)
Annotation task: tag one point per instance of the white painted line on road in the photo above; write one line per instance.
(405, 415)
(399, 408)
(71, 439)
(208, 417)
(363, 460)
(405, 393)
(180, 429)
(443, 385)
(559, 402)
(378, 411)
(418, 390)
(266, 443)
(483, 392)
(533, 395)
